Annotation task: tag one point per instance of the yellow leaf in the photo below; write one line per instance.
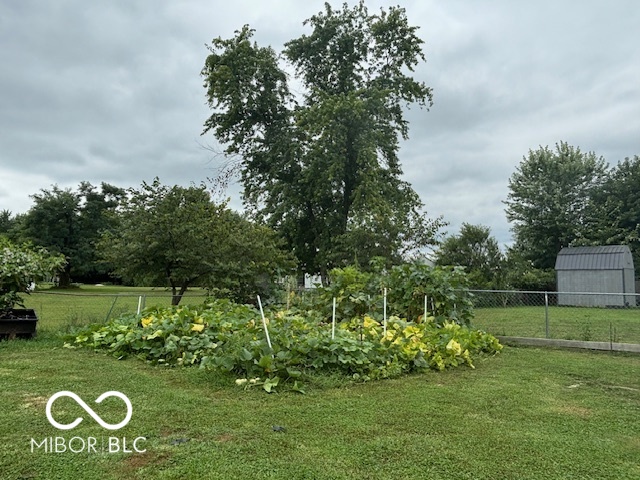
(369, 322)
(454, 347)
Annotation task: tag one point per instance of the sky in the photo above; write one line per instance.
(110, 91)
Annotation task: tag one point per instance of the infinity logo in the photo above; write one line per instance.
(88, 409)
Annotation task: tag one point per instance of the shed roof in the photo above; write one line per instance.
(609, 257)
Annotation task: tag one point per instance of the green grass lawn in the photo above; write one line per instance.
(571, 323)
(526, 413)
(63, 308)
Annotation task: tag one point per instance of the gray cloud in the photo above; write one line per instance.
(111, 91)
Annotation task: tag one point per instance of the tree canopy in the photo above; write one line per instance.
(322, 166)
(549, 198)
(614, 216)
(70, 222)
(475, 249)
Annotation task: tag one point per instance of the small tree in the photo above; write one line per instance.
(475, 249)
(178, 237)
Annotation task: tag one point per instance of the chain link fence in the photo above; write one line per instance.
(597, 317)
(585, 316)
(59, 311)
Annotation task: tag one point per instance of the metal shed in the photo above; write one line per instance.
(605, 269)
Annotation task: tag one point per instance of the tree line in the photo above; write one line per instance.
(313, 133)
(557, 198)
(178, 237)
(154, 235)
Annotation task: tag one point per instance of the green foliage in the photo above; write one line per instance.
(446, 289)
(70, 222)
(615, 210)
(358, 293)
(8, 223)
(228, 337)
(549, 200)
(523, 275)
(354, 290)
(177, 237)
(20, 266)
(323, 168)
(475, 249)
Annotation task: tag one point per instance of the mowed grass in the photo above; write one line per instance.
(60, 309)
(526, 413)
(571, 323)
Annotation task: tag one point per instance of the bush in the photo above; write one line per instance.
(20, 267)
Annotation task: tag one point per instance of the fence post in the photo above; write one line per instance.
(115, 299)
(546, 314)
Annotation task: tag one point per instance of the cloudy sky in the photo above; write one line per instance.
(110, 91)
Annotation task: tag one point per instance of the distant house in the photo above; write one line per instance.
(602, 270)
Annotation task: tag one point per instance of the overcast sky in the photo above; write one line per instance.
(110, 91)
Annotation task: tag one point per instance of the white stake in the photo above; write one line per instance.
(139, 304)
(333, 320)
(424, 318)
(264, 323)
(384, 313)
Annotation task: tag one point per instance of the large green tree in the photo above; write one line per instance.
(177, 237)
(7, 222)
(549, 199)
(615, 209)
(475, 249)
(70, 222)
(322, 166)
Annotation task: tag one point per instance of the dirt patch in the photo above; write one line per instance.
(35, 401)
(225, 437)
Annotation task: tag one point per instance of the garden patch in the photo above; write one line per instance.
(225, 336)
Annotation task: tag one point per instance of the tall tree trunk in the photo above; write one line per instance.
(64, 279)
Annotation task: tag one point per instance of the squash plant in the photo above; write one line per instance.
(227, 337)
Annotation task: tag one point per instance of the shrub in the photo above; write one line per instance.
(20, 267)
